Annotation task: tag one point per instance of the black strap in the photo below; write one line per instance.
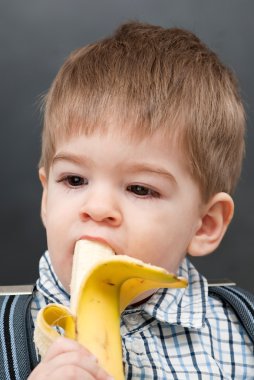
(241, 301)
(17, 351)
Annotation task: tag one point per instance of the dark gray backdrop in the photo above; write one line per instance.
(35, 38)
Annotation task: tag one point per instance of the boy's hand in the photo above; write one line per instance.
(68, 360)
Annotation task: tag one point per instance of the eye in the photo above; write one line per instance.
(74, 181)
(143, 191)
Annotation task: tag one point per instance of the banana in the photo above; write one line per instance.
(103, 285)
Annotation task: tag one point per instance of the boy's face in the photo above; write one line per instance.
(137, 196)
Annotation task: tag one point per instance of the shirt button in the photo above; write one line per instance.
(133, 319)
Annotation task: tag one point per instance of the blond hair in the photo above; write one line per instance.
(148, 77)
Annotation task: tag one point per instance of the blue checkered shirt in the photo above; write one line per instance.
(176, 334)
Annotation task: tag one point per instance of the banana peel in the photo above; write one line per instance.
(103, 285)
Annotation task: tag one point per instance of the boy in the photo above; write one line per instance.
(142, 147)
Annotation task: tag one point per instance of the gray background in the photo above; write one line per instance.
(35, 38)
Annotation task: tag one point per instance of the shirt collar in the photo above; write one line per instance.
(184, 307)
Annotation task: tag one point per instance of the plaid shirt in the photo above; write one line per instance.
(177, 334)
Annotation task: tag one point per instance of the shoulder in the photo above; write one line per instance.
(233, 308)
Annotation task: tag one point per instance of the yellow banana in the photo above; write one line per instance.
(103, 285)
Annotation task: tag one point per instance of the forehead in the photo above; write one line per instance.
(131, 132)
(122, 146)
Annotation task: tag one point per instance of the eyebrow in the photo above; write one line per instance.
(150, 168)
(71, 157)
(132, 167)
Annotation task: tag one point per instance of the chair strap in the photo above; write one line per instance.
(241, 301)
(17, 350)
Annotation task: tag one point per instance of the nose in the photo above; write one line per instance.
(101, 208)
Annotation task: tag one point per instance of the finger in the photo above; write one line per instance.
(68, 352)
(44, 372)
(63, 345)
(73, 371)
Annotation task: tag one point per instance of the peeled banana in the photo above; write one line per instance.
(103, 285)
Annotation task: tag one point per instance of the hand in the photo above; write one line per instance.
(68, 360)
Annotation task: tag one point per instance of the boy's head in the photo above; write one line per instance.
(147, 78)
(143, 140)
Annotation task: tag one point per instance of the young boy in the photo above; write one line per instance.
(142, 147)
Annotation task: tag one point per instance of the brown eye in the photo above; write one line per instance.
(138, 190)
(75, 181)
(143, 191)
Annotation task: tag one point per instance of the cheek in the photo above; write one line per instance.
(60, 212)
(161, 240)
(57, 231)
(60, 250)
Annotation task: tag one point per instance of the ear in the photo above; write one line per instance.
(216, 217)
(44, 182)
